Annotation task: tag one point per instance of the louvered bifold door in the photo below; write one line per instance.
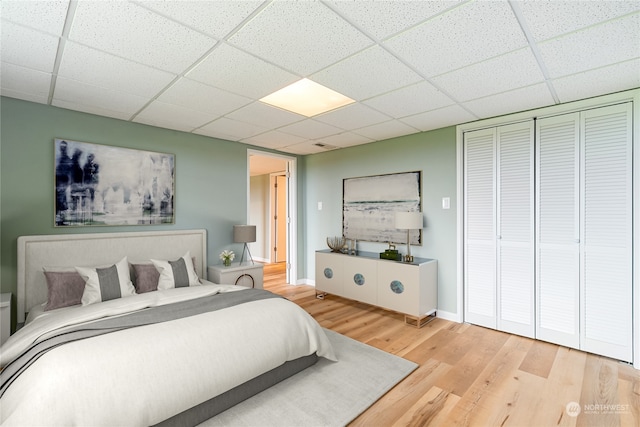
(606, 237)
(515, 229)
(479, 227)
(557, 230)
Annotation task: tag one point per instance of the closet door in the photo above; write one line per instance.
(479, 228)
(606, 232)
(557, 224)
(515, 233)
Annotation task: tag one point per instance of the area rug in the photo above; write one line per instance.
(326, 394)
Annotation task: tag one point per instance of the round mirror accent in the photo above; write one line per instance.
(328, 273)
(397, 287)
(358, 279)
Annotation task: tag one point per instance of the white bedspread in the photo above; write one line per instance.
(146, 374)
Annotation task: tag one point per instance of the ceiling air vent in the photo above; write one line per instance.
(325, 146)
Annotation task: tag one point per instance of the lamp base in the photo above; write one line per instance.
(246, 249)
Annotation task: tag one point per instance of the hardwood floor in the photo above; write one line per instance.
(473, 376)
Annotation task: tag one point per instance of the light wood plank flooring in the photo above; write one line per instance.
(473, 376)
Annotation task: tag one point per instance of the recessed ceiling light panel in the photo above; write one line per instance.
(307, 97)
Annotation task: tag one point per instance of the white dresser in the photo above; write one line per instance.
(408, 288)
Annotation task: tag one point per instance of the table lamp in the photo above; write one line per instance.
(408, 221)
(244, 234)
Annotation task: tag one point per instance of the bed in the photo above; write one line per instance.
(175, 355)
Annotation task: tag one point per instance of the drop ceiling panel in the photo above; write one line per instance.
(345, 139)
(410, 100)
(592, 47)
(230, 129)
(447, 116)
(598, 81)
(28, 48)
(260, 114)
(135, 33)
(310, 129)
(200, 97)
(273, 139)
(215, 18)
(369, 73)
(353, 116)
(305, 148)
(547, 19)
(396, 15)
(87, 95)
(390, 129)
(98, 68)
(235, 71)
(500, 74)
(470, 33)
(303, 37)
(180, 117)
(25, 83)
(522, 99)
(90, 109)
(45, 16)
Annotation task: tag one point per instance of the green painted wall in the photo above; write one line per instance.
(433, 153)
(211, 176)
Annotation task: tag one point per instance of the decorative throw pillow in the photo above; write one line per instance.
(64, 289)
(146, 277)
(104, 284)
(176, 274)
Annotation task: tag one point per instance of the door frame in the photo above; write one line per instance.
(292, 229)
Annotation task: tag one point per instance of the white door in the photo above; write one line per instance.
(479, 228)
(606, 232)
(557, 225)
(515, 232)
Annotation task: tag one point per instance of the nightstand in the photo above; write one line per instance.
(249, 275)
(5, 317)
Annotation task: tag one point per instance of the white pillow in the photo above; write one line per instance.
(104, 284)
(176, 274)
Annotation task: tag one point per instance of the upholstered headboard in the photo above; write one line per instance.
(71, 250)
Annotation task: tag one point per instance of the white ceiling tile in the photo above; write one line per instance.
(197, 96)
(216, 18)
(140, 35)
(367, 74)
(261, 114)
(500, 74)
(390, 129)
(609, 43)
(9, 93)
(550, 18)
(46, 16)
(345, 139)
(84, 94)
(273, 139)
(396, 15)
(598, 82)
(28, 48)
(443, 117)
(156, 113)
(98, 68)
(235, 71)
(467, 34)
(230, 129)
(304, 148)
(410, 100)
(32, 83)
(353, 116)
(90, 109)
(302, 37)
(310, 129)
(522, 99)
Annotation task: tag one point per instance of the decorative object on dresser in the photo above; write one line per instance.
(227, 256)
(408, 288)
(336, 244)
(244, 234)
(249, 275)
(408, 221)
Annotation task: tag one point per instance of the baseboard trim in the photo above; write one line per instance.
(447, 315)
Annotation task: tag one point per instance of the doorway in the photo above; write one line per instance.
(272, 207)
